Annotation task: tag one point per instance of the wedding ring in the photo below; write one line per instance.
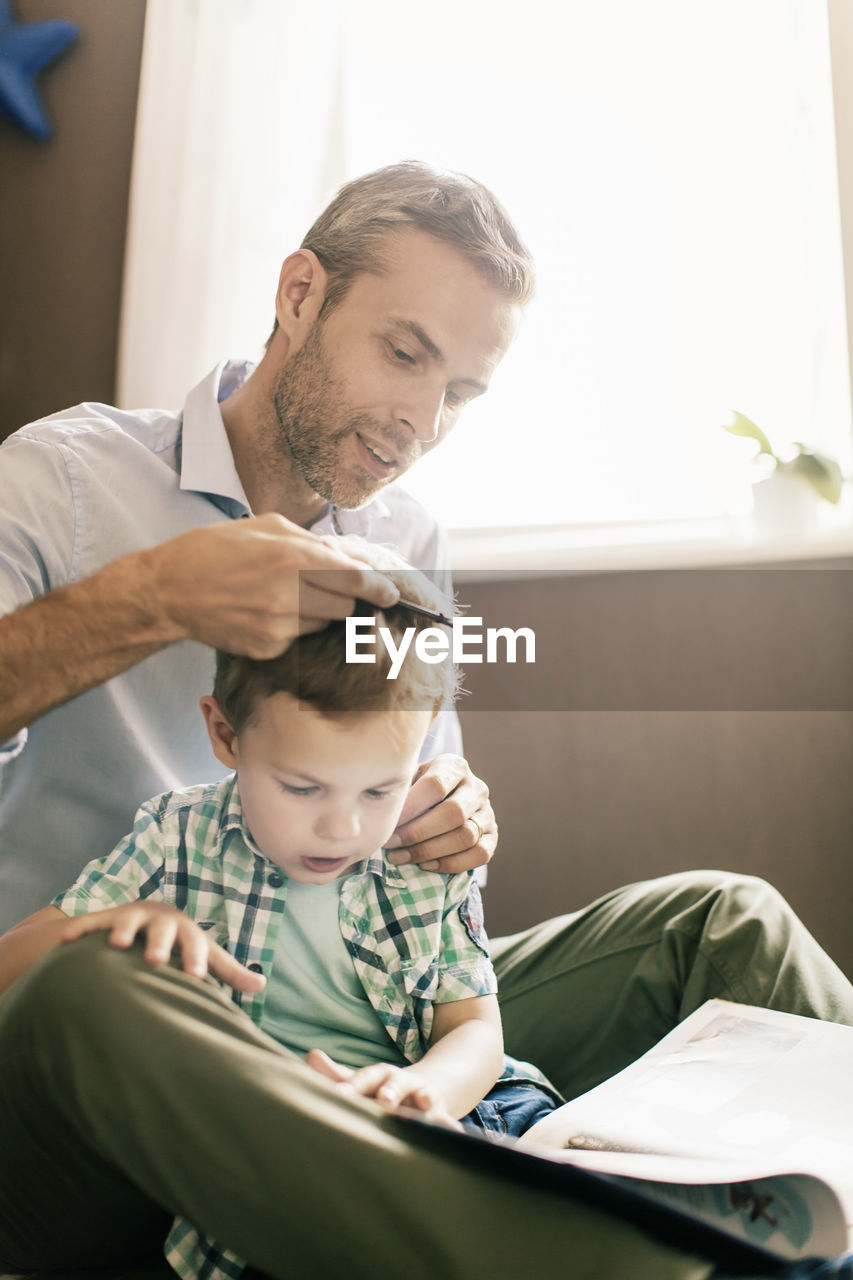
(480, 832)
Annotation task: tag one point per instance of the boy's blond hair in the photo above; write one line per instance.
(314, 670)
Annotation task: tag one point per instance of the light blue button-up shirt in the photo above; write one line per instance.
(77, 490)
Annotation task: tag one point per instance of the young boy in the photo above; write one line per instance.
(275, 881)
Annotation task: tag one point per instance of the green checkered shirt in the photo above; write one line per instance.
(416, 937)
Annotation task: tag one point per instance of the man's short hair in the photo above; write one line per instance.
(352, 234)
(313, 669)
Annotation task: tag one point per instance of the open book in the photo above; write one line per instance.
(740, 1118)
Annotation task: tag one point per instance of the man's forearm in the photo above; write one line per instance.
(233, 585)
(75, 638)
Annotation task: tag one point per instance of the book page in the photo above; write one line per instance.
(754, 1091)
(793, 1215)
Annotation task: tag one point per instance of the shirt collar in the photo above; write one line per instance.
(207, 464)
(363, 522)
(378, 865)
(231, 805)
(232, 819)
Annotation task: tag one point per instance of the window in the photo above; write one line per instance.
(672, 166)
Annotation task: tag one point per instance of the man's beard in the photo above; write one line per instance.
(314, 420)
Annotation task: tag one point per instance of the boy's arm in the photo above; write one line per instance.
(22, 945)
(165, 928)
(463, 1061)
(465, 1056)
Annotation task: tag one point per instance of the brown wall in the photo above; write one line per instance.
(63, 208)
(657, 756)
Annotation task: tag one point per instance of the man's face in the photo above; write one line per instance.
(384, 377)
(318, 794)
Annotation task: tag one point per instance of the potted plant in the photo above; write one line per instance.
(786, 495)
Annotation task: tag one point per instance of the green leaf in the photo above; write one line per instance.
(743, 426)
(822, 473)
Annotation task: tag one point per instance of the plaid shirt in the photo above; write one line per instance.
(416, 937)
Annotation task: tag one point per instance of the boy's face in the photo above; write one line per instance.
(320, 794)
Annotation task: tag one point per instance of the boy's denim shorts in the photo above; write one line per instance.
(510, 1108)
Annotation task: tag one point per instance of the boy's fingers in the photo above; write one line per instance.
(95, 922)
(163, 932)
(409, 1092)
(442, 1117)
(233, 973)
(131, 920)
(423, 1098)
(326, 1066)
(122, 923)
(196, 949)
(126, 926)
(160, 934)
(371, 1081)
(393, 1087)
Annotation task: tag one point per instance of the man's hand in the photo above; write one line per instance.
(251, 586)
(447, 823)
(392, 1087)
(165, 927)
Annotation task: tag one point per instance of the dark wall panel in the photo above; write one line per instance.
(621, 781)
(63, 211)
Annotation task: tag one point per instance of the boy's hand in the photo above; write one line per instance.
(165, 927)
(447, 823)
(392, 1087)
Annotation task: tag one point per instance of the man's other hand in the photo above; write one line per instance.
(447, 823)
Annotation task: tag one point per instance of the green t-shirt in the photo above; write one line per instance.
(314, 999)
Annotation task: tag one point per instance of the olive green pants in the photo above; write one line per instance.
(128, 1094)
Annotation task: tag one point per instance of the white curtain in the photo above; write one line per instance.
(671, 165)
(238, 146)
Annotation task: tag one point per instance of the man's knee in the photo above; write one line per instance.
(724, 895)
(751, 897)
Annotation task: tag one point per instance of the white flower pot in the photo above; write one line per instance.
(785, 505)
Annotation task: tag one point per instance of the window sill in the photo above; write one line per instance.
(483, 554)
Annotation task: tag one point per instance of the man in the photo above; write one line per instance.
(123, 545)
(336, 410)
